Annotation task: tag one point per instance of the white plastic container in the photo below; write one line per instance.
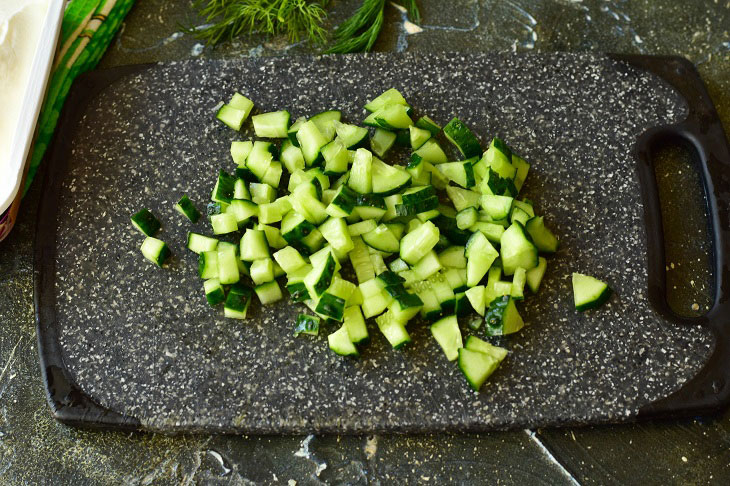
(14, 161)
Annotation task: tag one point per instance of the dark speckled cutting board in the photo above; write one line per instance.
(126, 344)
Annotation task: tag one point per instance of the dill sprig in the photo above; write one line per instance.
(231, 18)
(360, 31)
(359, 43)
(368, 20)
(295, 18)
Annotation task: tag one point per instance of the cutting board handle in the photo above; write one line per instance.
(709, 390)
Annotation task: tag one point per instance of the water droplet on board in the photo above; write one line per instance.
(222, 462)
(197, 49)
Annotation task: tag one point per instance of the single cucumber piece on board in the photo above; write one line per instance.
(198, 243)
(186, 207)
(155, 250)
(388, 179)
(208, 265)
(393, 117)
(146, 222)
(477, 298)
(232, 116)
(589, 292)
(416, 244)
(325, 122)
(432, 152)
(360, 179)
(306, 324)
(291, 133)
(480, 254)
(461, 173)
(240, 102)
(269, 292)
(228, 266)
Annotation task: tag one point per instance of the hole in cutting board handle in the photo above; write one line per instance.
(679, 230)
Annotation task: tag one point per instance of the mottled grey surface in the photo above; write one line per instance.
(35, 449)
(142, 341)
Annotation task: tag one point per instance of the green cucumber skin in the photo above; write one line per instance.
(415, 195)
(306, 324)
(427, 124)
(245, 174)
(396, 291)
(225, 189)
(371, 200)
(499, 185)
(331, 306)
(216, 297)
(390, 278)
(417, 207)
(447, 226)
(165, 253)
(298, 292)
(496, 316)
(323, 283)
(187, 208)
(407, 300)
(345, 199)
(146, 222)
(460, 135)
(239, 297)
(500, 145)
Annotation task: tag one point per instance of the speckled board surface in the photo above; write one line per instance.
(142, 341)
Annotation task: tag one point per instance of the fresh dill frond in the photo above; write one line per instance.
(231, 18)
(362, 42)
(296, 19)
(362, 17)
(360, 31)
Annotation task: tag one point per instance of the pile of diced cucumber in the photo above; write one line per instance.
(431, 237)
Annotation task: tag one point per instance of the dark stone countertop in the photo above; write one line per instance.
(34, 449)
